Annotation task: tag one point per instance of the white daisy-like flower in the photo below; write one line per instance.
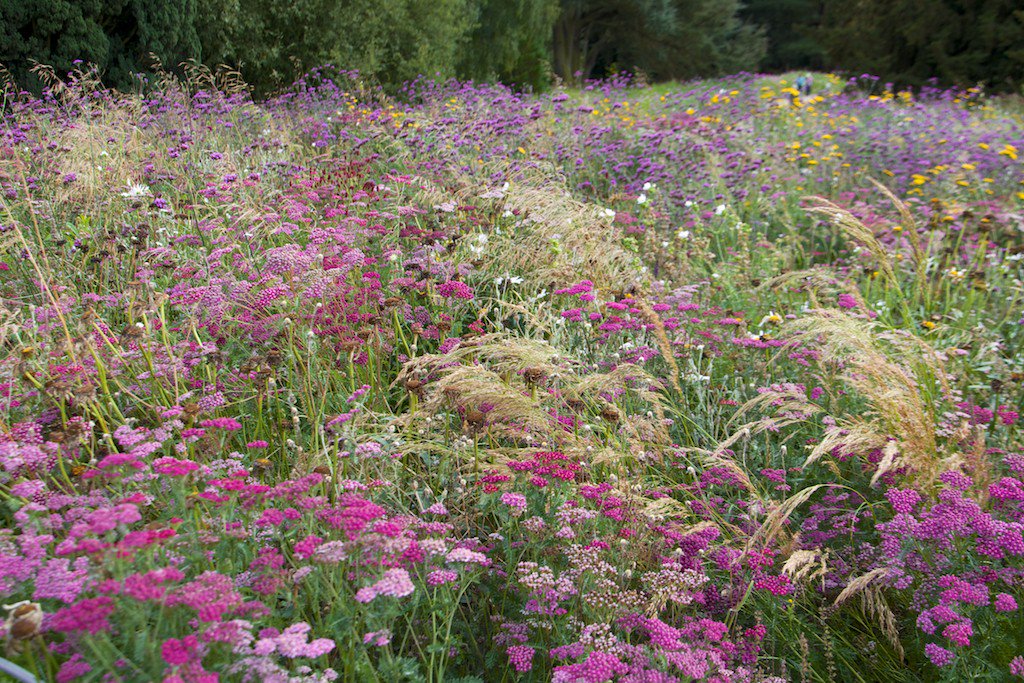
(137, 191)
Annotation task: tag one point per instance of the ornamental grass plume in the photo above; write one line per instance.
(501, 353)
(625, 379)
(889, 372)
(858, 232)
(815, 281)
(868, 587)
(806, 565)
(560, 239)
(789, 405)
(471, 386)
(657, 327)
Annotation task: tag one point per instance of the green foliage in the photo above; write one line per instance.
(713, 39)
(396, 40)
(904, 41)
(790, 31)
(116, 35)
(909, 42)
(511, 42)
(391, 41)
(663, 38)
(520, 41)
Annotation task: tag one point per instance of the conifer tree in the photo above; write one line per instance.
(118, 36)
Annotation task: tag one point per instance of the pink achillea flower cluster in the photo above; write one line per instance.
(1004, 602)
(939, 656)
(515, 501)
(395, 583)
(847, 301)
(377, 638)
(293, 642)
(1017, 666)
(520, 657)
(212, 595)
(455, 289)
(467, 556)
(599, 667)
(440, 577)
(89, 615)
(228, 424)
(178, 652)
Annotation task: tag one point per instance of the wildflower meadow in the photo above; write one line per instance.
(704, 381)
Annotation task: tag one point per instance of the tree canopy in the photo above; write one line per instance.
(522, 42)
(118, 36)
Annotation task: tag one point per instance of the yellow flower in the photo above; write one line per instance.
(928, 325)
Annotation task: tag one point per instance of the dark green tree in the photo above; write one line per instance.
(389, 41)
(664, 38)
(118, 36)
(911, 41)
(270, 41)
(713, 39)
(511, 42)
(791, 28)
(396, 40)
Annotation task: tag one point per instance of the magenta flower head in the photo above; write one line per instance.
(1017, 666)
(177, 652)
(516, 501)
(903, 500)
(847, 301)
(454, 289)
(378, 638)
(228, 424)
(960, 633)
(1005, 603)
(939, 656)
(395, 583)
(520, 657)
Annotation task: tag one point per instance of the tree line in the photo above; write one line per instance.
(521, 42)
